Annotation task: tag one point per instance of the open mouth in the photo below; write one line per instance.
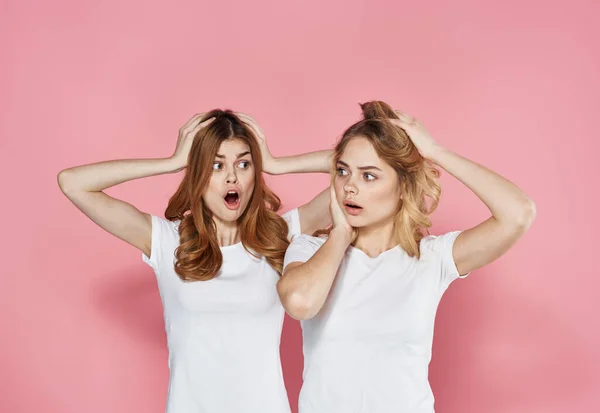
(232, 199)
(352, 208)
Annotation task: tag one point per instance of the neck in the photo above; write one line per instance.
(227, 232)
(377, 238)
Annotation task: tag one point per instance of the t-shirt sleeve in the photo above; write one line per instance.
(162, 229)
(440, 249)
(292, 217)
(302, 248)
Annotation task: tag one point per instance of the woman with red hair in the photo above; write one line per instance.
(217, 257)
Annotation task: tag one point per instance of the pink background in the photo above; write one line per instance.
(513, 85)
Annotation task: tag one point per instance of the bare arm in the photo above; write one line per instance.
(315, 214)
(84, 186)
(318, 161)
(512, 210)
(304, 287)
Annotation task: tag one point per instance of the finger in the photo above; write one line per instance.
(400, 113)
(202, 125)
(252, 124)
(404, 117)
(407, 123)
(332, 197)
(193, 132)
(244, 115)
(334, 202)
(199, 122)
(193, 122)
(248, 120)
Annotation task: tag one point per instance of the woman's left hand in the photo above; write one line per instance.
(268, 160)
(417, 133)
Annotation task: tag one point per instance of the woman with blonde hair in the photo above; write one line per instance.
(217, 257)
(367, 293)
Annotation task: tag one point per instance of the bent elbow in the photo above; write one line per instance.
(297, 305)
(63, 179)
(528, 214)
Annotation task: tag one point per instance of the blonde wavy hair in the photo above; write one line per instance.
(263, 231)
(418, 177)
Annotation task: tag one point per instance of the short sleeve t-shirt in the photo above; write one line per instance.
(369, 347)
(223, 334)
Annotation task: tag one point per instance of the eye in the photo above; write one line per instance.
(244, 164)
(341, 172)
(369, 176)
(217, 166)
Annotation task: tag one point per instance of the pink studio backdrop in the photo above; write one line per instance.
(512, 85)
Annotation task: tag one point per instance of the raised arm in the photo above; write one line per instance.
(314, 214)
(318, 161)
(84, 186)
(512, 210)
(304, 286)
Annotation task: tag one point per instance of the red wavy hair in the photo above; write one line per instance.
(263, 231)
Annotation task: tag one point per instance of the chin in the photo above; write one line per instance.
(224, 215)
(355, 221)
(234, 215)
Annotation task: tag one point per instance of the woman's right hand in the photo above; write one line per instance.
(339, 222)
(187, 133)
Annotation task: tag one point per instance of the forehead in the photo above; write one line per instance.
(233, 147)
(359, 151)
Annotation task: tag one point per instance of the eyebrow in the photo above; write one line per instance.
(239, 155)
(361, 168)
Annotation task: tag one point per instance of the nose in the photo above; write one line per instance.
(350, 188)
(231, 178)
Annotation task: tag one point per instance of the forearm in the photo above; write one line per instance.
(506, 201)
(304, 289)
(99, 176)
(319, 161)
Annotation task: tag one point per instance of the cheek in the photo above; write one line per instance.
(212, 189)
(247, 180)
(338, 185)
(214, 184)
(385, 197)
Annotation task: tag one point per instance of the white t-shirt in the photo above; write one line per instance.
(369, 347)
(223, 334)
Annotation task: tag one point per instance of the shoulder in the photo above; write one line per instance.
(438, 250)
(164, 230)
(437, 244)
(165, 239)
(292, 218)
(308, 241)
(302, 248)
(165, 224)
